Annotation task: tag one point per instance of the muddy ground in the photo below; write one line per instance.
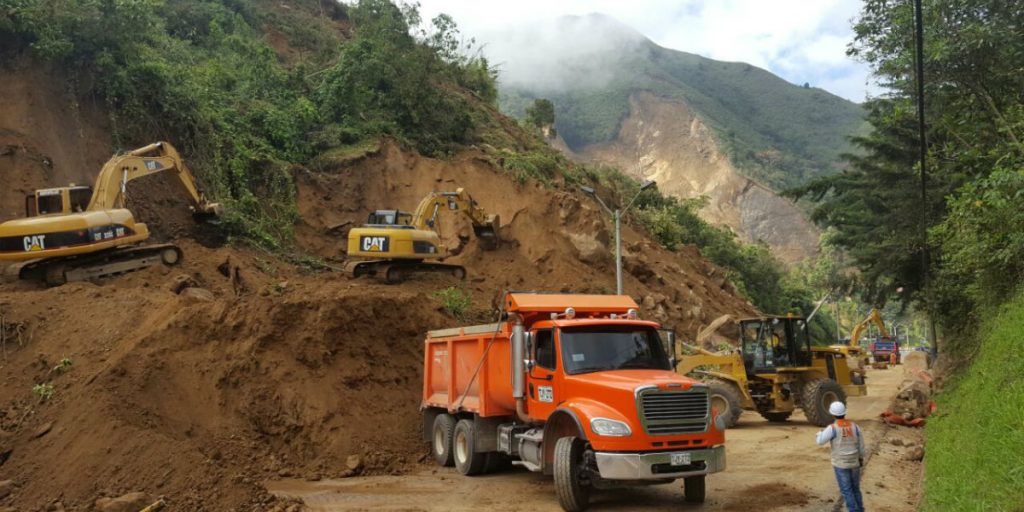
(770, 467)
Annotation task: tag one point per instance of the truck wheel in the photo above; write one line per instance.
(693, 489)
(725, 397)
(571, 484)
(776, 417)
(441, 439)
(468, 461)
(817, 396)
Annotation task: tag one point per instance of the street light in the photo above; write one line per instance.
(618, 232)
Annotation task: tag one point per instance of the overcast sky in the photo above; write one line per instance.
(799, 40)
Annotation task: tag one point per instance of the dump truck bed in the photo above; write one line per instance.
(459, 362)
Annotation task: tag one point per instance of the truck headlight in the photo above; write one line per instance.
(610, 428)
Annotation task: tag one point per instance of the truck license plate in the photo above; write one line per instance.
(680, 459)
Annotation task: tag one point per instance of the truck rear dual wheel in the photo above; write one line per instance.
(817, 396)
(571, 484)
(441, 439)
(468, 461)
(693, 489)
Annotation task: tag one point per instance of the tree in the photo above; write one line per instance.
(542, 115)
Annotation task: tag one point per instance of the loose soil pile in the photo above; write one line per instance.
(278, 371)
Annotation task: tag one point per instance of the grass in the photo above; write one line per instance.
(975, 443)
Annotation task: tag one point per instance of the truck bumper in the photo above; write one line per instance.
(656, 466)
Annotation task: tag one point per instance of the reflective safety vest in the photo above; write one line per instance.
(847, 444)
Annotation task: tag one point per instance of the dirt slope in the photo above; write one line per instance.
(47, 135)
(664, 140)
(282, 372)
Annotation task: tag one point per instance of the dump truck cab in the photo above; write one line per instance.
(577, 386)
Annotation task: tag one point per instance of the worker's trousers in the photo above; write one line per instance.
(849, 487)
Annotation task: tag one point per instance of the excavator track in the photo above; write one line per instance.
(58, 271)
(396, 271)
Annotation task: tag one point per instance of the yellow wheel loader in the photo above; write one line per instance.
(774, 371)
(401, 243)
(76, 233)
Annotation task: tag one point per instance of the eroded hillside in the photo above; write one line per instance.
(665, 140)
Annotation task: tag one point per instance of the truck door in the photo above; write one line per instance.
(542, 381)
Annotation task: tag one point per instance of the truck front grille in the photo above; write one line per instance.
(674, 412)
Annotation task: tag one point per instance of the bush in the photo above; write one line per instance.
(455, 301)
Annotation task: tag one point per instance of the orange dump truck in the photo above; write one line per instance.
(576, 386)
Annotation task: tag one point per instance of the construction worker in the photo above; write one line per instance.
(847, 455)
(892, 358)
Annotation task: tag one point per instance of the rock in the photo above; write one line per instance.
(912, 400)
(648, 303)
(915, 454)
(181, 282)
(706, 333)
(896, 441)
(198, 295)
(43, 430)
(589, 249)
(354, 462)
(131, 502)
(6, 488)
(915, 360)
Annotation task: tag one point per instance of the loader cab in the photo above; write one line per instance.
(390, 218)
(61, 200)
(771, 343)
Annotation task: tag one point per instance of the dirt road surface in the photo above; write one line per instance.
(770, 467)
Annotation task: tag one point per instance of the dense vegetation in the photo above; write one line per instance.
(971, 228)
(201, 73)
(985, 402)
(777, 133)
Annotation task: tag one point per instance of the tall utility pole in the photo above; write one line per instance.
(926, 251)
(617, 214)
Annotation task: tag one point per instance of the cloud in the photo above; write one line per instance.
(799, 40)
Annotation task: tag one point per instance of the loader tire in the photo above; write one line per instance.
(571, 483)
(816, 396)
(725, 396)
(441, 439)
(468, 461)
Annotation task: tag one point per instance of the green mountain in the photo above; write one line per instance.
(775, 132)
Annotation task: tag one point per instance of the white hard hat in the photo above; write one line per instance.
(837, 409)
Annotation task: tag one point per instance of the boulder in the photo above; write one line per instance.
(354, 462)
(198, 295)
(131, 502)
(588, 248)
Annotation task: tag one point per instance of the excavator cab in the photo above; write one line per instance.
(48, 201)
(391, 218)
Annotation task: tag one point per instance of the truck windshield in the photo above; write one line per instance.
(600, 348)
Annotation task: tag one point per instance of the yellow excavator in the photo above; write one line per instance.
(881, 348)
(77, 233)
(400, 243)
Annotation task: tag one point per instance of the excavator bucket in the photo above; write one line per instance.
(487, 233)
